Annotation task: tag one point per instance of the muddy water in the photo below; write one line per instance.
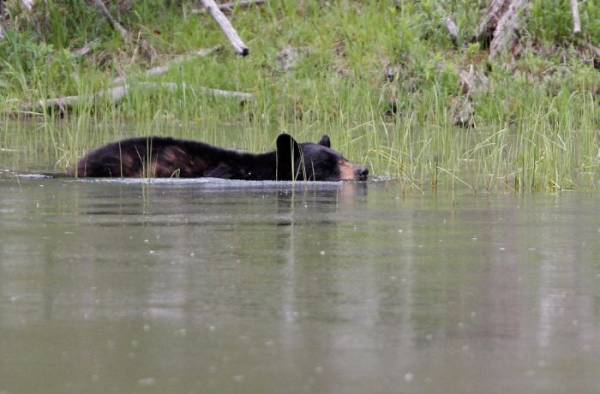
(213, 286)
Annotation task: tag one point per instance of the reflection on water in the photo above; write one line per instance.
(352, 288)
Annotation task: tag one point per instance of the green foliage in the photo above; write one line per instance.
(551, 21)
(30, 67)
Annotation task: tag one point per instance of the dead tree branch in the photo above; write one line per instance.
(576, 19)
(116, 94)
(171, 86)
(155, 71)
(226, 26)
(62, 104)
(87, 48)
(115, 24)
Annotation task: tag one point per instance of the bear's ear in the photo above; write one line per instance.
(288, 157)
(325, 141)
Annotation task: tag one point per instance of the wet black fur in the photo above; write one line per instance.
(168, 157)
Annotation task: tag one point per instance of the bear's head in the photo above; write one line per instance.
(314, 162)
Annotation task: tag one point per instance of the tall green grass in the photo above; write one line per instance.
(535, 127)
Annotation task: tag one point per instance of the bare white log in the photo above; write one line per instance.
(452, 29)
(226, 26)
(116, 94)
(115, 24)
(155, 71)
(507, 28)
(576, 19)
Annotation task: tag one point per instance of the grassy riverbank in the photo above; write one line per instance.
(535, 121)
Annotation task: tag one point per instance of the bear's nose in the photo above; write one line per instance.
(362, 173)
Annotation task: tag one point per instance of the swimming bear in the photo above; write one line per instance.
(165, 157)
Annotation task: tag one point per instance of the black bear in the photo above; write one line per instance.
(168, 157)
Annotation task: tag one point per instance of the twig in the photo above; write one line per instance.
(576, 20)
(155, 71)
(226, 26)
(116, 25)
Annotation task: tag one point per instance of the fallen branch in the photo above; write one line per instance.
(116, 94)
(576, 20)
(226, 26)
(87, 48)
(155, 71)
(62, 104)
(115, 24)
(171, 86)
(142, 45)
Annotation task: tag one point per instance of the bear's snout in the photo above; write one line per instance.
(352, 172)
(361, 173)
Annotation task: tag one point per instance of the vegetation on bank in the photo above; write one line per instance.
(382, 78)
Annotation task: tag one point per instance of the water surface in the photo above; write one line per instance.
(215, 286)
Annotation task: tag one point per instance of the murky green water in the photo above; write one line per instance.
(199, 287)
